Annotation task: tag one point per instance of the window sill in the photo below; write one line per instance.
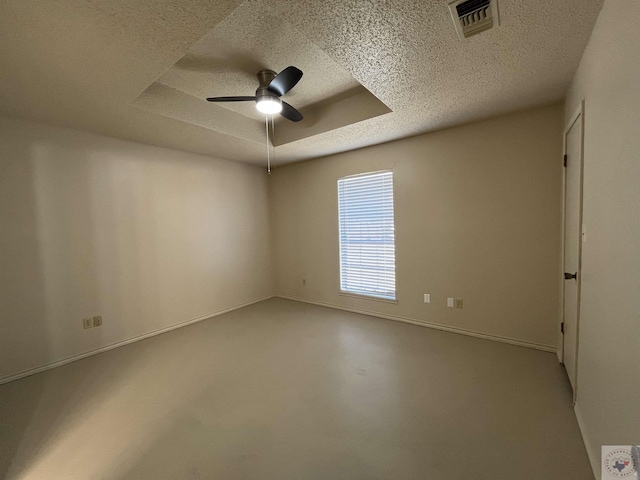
(367, 297)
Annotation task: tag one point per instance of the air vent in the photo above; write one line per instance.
(471, 17)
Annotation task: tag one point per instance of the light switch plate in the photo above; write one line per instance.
(451, 302)
(87, 322)
(427, 298)
(97, 321)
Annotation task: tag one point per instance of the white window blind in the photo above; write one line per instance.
(367, 249)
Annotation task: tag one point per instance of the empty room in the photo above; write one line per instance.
(319, 239)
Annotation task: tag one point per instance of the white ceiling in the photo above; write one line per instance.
(138, 70)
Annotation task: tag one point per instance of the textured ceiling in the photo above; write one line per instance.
(102, 65)
(224, 63)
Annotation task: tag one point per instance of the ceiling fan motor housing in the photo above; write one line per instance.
(265, 77)
(262, 94)
(267, 101)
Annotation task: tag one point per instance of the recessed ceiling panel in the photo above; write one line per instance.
(225, 63)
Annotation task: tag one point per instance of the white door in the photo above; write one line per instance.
(572, 246)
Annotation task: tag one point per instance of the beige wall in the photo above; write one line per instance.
(608, 79)
(145, 236)
(478, 216)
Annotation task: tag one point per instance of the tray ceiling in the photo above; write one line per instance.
(374, 71)
(225, 63)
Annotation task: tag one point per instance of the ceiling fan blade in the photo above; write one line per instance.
(285, 80)
(290, 113)
(230, 99)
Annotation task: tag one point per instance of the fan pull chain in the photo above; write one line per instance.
(266, 125)
(273, 135)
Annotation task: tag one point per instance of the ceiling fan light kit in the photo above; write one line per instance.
(268, 103)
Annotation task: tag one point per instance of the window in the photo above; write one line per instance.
(367, 249)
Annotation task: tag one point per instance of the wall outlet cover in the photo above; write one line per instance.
(427, 298)
(97, 321)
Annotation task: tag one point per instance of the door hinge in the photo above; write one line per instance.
(565, 160)
(562, 327)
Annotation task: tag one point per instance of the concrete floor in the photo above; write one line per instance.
(285, 390)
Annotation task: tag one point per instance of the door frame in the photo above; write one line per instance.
(577, 116)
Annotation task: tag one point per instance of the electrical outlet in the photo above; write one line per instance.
(427, 298)
(87, 322)
(304, 282)
(454, 302)
(97, 321)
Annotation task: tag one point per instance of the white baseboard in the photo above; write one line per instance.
(591, 453)
(437, 326)
(121, 343)
(64, 361)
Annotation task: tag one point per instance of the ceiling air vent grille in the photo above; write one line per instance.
(474, 16)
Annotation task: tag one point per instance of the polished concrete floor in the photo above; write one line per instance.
(286, 390)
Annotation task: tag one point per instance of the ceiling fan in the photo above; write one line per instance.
(272, 87)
